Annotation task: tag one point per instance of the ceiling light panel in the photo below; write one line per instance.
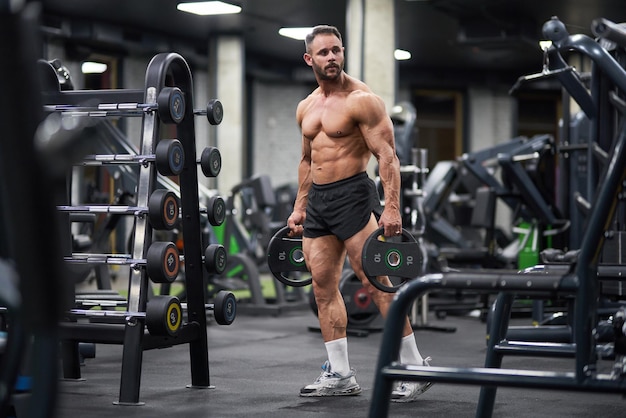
(206, 8)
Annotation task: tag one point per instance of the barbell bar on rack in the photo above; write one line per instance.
(169, 158)
(170, 107)
(164, 313)
(162, 262)
(163, 209)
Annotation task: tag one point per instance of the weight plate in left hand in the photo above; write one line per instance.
(285, 259)
(398, 258)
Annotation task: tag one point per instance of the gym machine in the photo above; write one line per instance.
(578, 280)
(149, 321)
(587, 138)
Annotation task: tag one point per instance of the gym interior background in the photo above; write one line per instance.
(477, 78)
(466, 56)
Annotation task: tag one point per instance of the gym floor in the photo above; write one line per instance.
(259, 363)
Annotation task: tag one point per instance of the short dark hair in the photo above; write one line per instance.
(319, 29)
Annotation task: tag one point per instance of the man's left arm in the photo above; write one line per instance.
(377, 130)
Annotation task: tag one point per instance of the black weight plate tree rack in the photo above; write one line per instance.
(133, 336)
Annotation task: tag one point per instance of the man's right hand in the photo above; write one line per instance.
(295, 223)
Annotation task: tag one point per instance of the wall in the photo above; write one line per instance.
(277, 138)
(491, 123)
(490, 116)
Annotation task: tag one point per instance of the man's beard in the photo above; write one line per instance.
(321, 72)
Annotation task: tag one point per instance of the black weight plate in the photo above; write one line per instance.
(163, 262)
(224, 307)
(164, 315)
(214, 112)
(285, 259)
(171, 105)
(215, 258)
(216, 210)
(399, 258)
(360, 307)
(211, 161)
(170, 157)
(163, 208)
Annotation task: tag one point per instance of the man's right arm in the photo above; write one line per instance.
(304, 176)
(296, 219)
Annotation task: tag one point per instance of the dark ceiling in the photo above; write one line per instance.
(444, 36)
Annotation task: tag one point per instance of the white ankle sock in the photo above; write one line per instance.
(338, 355)
(409, 354)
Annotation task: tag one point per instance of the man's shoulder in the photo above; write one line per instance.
(363, 97)
(362, 102)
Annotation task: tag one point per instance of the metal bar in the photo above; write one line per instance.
(102, 107)
(531, 379)
(101, 113)
(112, 259)
(134, 210)
(116, 159)
(132, 355)
(539, 349)
(103, 333)
(490, 280)
(94, 313)
(78, 97)
(572, 83)
(544, 333)
(501, 315)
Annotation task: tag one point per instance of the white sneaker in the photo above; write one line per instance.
(409, 391)
(330, 383)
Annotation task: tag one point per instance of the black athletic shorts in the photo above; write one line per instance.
(341, 208)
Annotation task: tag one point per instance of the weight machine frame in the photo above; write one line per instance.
(578, 280)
